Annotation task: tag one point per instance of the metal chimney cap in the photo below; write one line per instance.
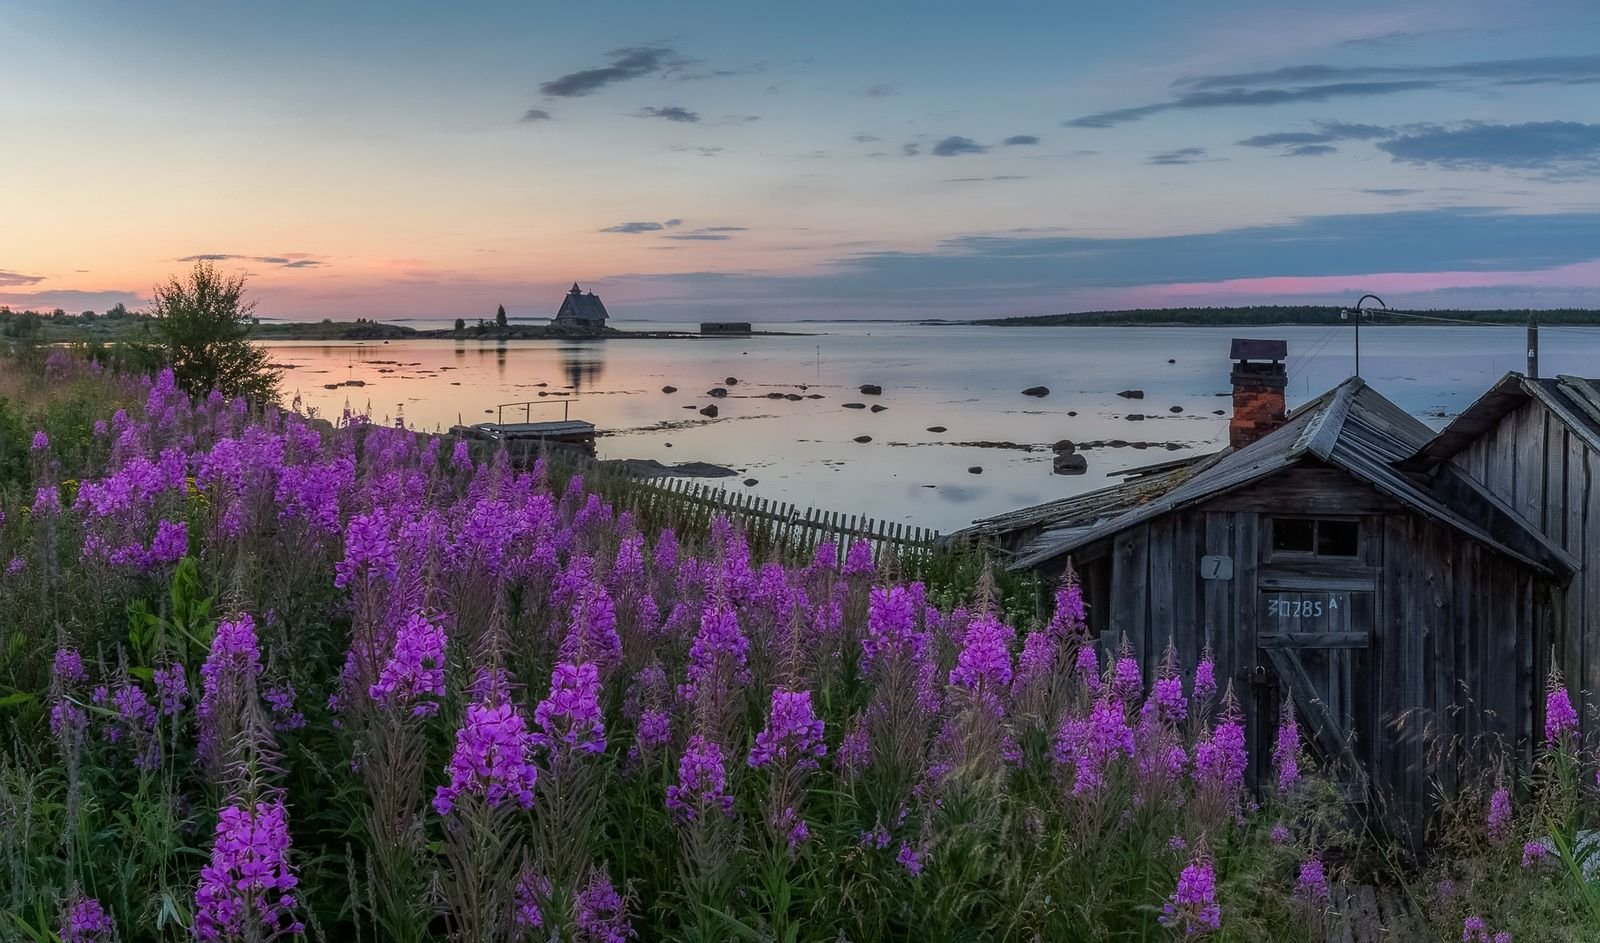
(1245, 348)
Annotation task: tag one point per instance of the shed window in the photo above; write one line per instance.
(1321, 537)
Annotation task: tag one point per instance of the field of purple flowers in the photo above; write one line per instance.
(265, 676)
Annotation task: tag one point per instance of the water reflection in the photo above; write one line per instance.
(583, 364)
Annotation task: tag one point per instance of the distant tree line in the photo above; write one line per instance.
(1294, 314)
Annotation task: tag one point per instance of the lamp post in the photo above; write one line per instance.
(1347, 312)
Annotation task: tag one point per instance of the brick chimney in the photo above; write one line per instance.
(1258, 381)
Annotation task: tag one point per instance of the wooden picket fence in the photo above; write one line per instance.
(772, 528)
(780, 524)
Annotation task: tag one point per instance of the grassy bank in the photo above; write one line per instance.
(265, 677)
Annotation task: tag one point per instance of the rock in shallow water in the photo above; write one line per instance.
(1036, 391)
(863, 438)
(975, 470)
(878, 408)
(669, 389)
(936, 429)
(1132, 394)
(855, 405)
(871, 389)
(710, 410)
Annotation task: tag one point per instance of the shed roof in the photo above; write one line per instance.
(1575, 400)
(1351, 427)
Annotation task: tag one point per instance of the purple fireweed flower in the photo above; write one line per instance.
(1286, 751)
(249, 877)
(1193, 908)
(1178, 843)
(602, 912)
(67, 719)
(1088, 668)
(172, 685)
(414, 674)
(136, 718)
(280, 701)
(1559, 716)
(655, 730)
(169, 545)
(86, 921)
(1037, 661)
(1091, 743)
(46, 502)
(793, 734)
(858, 559)
(1533, 854)
(570, 719)
(100, 428)
(461, 455)
(1205, 677)
(592, 634)
(1499, 823)
(368, 549)
(1504, 936)
(1473, 930)
(855, 750)
(877, 838)
(702, 781)
(1069, 621)
(1220, 759)
(15, 566)
(234, 659)
(525, 912)
(910, 858)
(1312, 885)
(891, 626)
(1126, 678)
(719, 643)
(492, 758)
(1280, 834)
(1167, 700)
(40, 441)
(68, 668)
(985, 654)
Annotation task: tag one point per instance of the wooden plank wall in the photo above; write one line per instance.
(1451, 672)
(1548, 475)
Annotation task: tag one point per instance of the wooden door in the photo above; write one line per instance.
(1315, 642)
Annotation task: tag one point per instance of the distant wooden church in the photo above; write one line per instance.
(581, 309)
(1404, 589)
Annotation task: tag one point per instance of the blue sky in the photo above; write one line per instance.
(827, 159)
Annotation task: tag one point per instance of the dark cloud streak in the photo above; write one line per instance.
(629, 63)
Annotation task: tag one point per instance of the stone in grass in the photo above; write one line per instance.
(1036, 391)
(855, 405)
(878, 407)
(937, 429)
(871, 389)
(710, 410)
(863, 438)
(975, 470)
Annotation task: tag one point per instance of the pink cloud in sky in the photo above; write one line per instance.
(1577, 276)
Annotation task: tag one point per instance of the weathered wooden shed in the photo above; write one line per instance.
(1534, 444)
(1406, 613)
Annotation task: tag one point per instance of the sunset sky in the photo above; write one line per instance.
(940, 159)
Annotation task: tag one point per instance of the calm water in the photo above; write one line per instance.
(968, 379)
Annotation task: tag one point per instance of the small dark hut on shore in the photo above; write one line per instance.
(1328, 559)
(725, 328)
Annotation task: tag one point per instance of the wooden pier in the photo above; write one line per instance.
(565, 432)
